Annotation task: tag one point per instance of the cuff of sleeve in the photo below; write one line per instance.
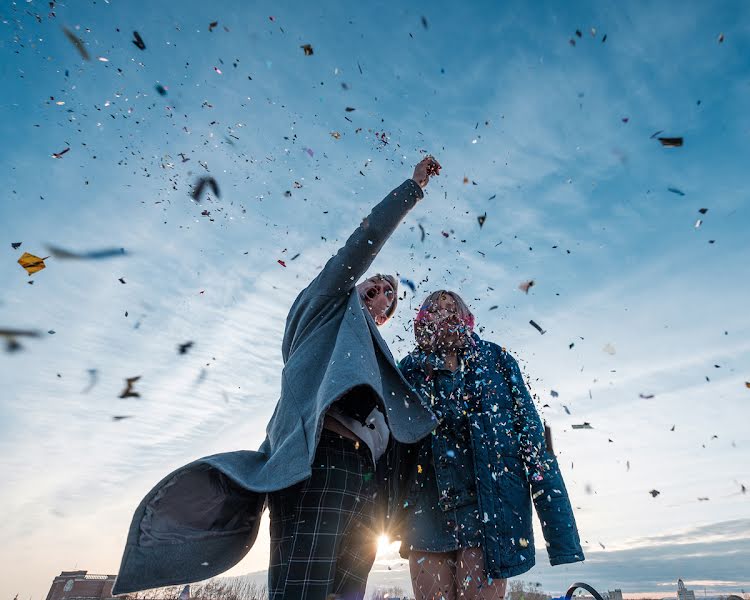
(567, 558)
(415, 187)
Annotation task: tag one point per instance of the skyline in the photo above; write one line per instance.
(553, 142)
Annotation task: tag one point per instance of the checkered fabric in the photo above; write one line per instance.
(323, 530)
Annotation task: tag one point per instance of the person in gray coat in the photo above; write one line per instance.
(342, 398)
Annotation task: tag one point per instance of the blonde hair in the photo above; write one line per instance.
(423, 335)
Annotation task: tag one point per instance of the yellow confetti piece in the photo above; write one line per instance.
(523, 542)
(419, 467)
(32, 263)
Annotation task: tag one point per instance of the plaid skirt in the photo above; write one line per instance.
(324, 529)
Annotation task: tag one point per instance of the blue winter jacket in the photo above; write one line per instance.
(511, 464)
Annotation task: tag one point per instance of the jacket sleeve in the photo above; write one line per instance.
(344, 269)
(547, 486)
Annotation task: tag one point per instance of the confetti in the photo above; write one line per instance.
(350, 109)
(308, 49)
(200, 186)
(482, 219)
(32, 263)
(183, 348)
(335, 135)
(721, 38)
(281, 262)
(409, 283)
(212, 25)
(121, 417)
(77, 42)
(609, 349)
(698, 223)
(10, 335)
(60, 154)
(63, 254)
(424, 22)
(16, 245)
(676, 191)
(161, 89)
(646, 396)
(128, 391)
(584, 425)
(138, 41)
(703, 211)
(524, 287)
(654, 493)
(536, 326)
(671, 142)
(421, 230)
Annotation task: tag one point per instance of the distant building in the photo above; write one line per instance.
(683, 593)
(615, 595)
(70, 585)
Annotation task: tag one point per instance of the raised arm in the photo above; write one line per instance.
(350, 263)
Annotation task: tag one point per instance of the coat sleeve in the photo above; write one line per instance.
(547, 486)
(344, 269)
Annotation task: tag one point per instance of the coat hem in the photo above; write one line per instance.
(567, 558)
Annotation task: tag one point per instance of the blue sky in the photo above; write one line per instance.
(499, 95)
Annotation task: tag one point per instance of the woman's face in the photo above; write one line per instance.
(444, 323)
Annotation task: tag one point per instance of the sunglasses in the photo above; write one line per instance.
(374, 291)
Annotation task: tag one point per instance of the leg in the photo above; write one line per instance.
(356, 556)
(472, 582)
(433, 575)
(310, 520)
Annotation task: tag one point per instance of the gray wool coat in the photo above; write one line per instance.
(203, 518)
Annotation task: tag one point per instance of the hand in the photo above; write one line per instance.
(426, 168)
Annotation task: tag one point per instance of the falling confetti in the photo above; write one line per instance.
(77, 42)
(200, 186)
(535, 326)
(128, 391)
(335, 135)
(16, 245)
(138, 41)
(63, 254)
(212, 25)
(160, 89)
(60, 154)
(183, 348)
(281, 262)
(410, 284)
(482, 219)
(676, 191)
(308, 49)
(584, 425)
(32, 263)
(654, 493)
(721, 38)
(524, 287)
(671, 142)
(609, 349)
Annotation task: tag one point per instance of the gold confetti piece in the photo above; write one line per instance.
(336, 135)
(32, 263)
(419, 467)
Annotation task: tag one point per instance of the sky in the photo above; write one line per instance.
(549, 134)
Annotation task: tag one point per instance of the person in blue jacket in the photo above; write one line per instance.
(342, 399)
(462, 496)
